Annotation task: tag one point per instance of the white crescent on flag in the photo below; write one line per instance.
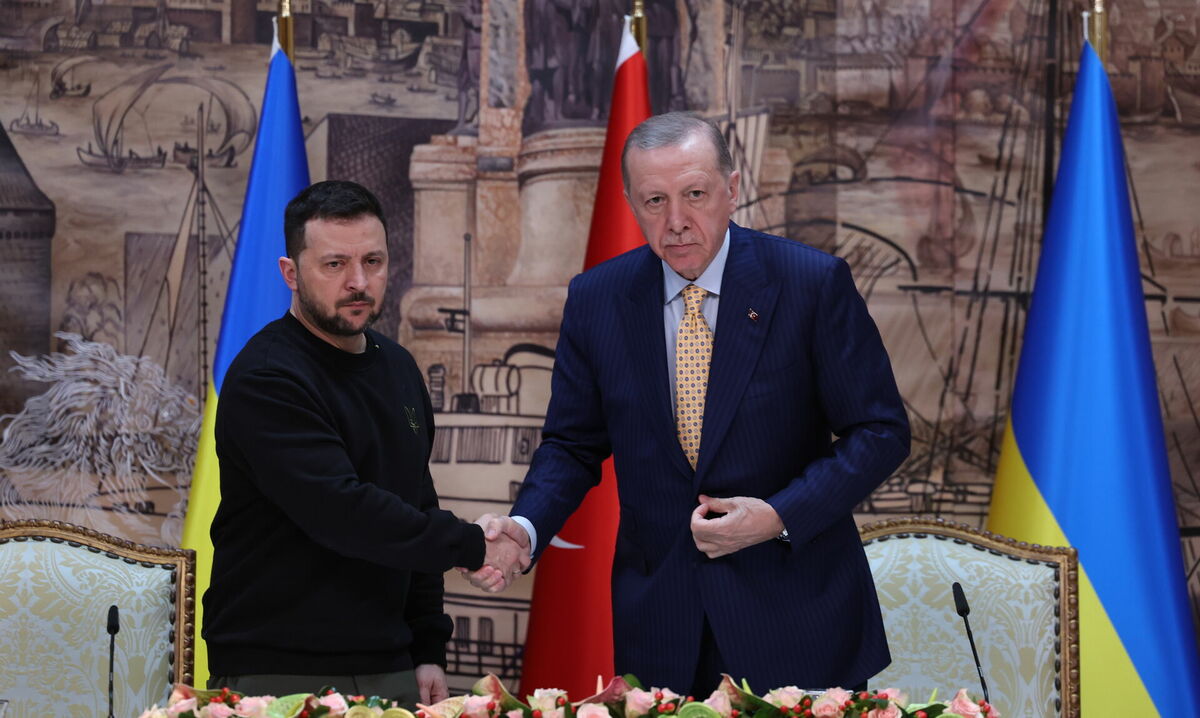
(561, 543)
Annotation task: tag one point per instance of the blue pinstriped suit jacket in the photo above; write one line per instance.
(811, 367)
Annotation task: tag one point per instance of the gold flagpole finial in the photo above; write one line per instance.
(1096, 23)
(638, 24)
(287, 35)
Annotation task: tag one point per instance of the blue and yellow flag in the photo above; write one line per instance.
(256, 296)
(1084, 457)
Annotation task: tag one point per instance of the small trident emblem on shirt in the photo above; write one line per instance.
(412, 419)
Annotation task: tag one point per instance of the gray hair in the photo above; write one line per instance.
(670, 130)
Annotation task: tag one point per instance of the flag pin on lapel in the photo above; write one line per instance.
(753, 315)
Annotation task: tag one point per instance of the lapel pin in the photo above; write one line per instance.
(753, 315)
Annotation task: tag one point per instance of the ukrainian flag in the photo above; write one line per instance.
(256, 296)
(1084, 457)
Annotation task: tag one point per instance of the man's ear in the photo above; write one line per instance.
(287, 267)
(734, 176)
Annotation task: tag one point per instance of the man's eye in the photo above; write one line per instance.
(334, 264)
(654, 201)
(374, 261)
(696, 193)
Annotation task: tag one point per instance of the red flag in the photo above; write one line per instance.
(569, 641)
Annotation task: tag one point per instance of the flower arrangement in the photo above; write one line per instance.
(188, 702)
(623, 697)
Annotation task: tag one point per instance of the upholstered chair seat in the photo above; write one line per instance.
(1023, 611)
(58, 583)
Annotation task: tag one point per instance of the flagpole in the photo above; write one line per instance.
(638, 26)
(1095, 20)
(287, 34)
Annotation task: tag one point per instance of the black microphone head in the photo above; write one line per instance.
(960, 600)
(114, 620)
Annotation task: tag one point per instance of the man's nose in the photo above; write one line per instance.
(356, 277)
(677, 218)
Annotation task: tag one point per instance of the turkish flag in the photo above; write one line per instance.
(569, 642)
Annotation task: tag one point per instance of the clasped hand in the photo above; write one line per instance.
(747, 521)
(506, 554)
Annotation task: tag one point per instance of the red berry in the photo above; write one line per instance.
(734, 713)
(797, 708)
(807, 701)
(304, 713)
(689, 699)
(215, 699)
(922, 714)
(808, 713)
(848, 703)
(658, 695)
(670, 706)
(537, 714)
(420, 714)
(561, 701)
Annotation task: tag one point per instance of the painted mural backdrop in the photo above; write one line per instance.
(908, 137)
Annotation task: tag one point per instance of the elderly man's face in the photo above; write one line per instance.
(682, 201)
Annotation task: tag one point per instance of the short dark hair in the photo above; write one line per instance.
(671, 129)
(332, 199)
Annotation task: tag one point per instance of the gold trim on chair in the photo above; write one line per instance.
(1064, 560)
(180, 562)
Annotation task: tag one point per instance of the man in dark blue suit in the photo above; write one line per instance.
(749, 404)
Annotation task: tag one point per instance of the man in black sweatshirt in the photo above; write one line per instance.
(329, 546)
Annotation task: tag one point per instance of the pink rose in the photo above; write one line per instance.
(719, 701)
(992, 712)
(254, 706)
(892, 711)
(154, 712)
(556, 713)
(591, 710)
(183, 706)
(785, 697)
(515, 713)
(476, 707)
(546, 699)
(217, 710)
(336, 703)
(638, 703)
(181, 692)
(827, 707)
(964, 706)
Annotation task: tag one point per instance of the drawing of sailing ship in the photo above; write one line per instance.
(33, 125)
(240, 121)
(61, 82)
(108, 122)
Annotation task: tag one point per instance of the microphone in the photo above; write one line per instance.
(962, 609)
(114, 625)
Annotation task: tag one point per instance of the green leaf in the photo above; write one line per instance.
(287, 706)
(633, 681)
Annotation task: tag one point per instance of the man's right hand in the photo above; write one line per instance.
(506, 554)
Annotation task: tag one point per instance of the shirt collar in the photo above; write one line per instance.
(710, 280)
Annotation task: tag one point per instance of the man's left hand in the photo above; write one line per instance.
(431, 681)
(747, 521)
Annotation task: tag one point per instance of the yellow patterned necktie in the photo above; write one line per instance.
(693, 351)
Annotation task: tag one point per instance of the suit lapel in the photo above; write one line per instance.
(642, 318)
(739, 339)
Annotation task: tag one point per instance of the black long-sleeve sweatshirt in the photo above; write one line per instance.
(329, 546)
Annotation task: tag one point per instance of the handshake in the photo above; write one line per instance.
(506, 555)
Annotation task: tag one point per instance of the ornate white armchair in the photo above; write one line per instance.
(1023, 610)
(59, 581)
